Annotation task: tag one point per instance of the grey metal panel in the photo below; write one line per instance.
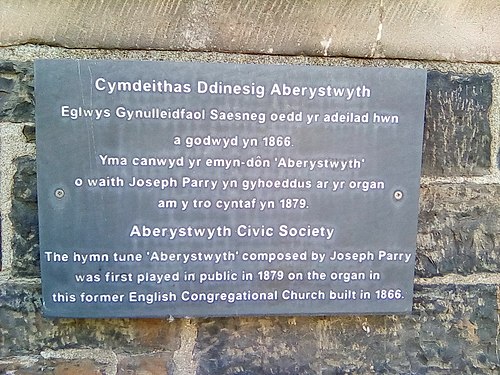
(84, 138)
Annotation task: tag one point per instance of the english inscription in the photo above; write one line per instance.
(192, 189)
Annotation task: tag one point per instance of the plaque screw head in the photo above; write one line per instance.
(398, 195)
(59, 193)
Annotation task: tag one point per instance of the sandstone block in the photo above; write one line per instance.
(421, 29)
(146, 364)
(52, 367)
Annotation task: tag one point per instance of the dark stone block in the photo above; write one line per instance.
(6, 86)
(459, 230)
(16, 92)
(25, 298)
(7, 67)
(24, 217)
(16, 304)
(29, 133)
(452, 330)
(457, 134)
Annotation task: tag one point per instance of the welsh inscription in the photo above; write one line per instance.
(190, 189)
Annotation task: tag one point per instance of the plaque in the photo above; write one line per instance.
(195, 189)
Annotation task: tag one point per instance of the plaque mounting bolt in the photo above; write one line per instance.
(59, 193)
(398, 195)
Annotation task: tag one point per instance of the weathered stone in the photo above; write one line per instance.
(29, 133)
(459, 229)
(24, 218)
(6, 85)
(23, 298)
(78, 367)
(146, 364)
(23, 330)
(452, 331)
(52, 367)
(16, 92)
(18, 305)
(457, 136)
(421, 29)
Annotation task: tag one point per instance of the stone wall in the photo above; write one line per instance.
(454, 327)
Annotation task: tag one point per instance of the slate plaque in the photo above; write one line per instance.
(193, 189)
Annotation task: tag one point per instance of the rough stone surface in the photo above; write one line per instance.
(146, 364)
(457, 135)
(23, 330)
(29, 133)
(453, 30)
(79, 367)
(452, 331)
(24, 217)
(459, 230)
(52, 367)
(16, 92)
(16, 304)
